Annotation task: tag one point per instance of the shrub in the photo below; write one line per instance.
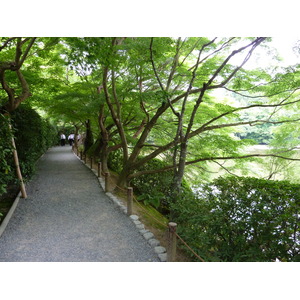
(115, 159)
(152, 189)
(33, 136)
(155, 189)
(242, 219)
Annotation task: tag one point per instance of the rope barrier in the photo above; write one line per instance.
(200, 258)
(158, 221)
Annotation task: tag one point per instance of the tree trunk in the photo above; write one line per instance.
(115, 112)
(179, 173)
(76, 136)
(123, 176)
(103, 139)
(104, 159)
(89, 140)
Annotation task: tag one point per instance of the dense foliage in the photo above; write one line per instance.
(154, 189)
(33, 136)
(162, 112)
(115, 161)
(242, 219)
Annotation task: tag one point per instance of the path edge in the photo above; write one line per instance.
(16, 201)
(161, 252)
(10, 213)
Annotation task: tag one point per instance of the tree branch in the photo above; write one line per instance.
(175, 64)
(251, 123)
(168, 168)
(214, 52)
(26, 51)
(239, 157)
(253, 44)
(221, 165)
(25, 88)
(6, 43)
(205, 126)
(153, 66)
(10, 92)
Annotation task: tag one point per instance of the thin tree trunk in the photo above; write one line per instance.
(104, 157)
(123, 177)
(89, 139)
(17, 165)
(104, 138)
(76, 136)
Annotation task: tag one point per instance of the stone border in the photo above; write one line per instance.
(148, 235)
(16, 201)
(9, 214)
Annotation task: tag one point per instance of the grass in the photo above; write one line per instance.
(155, 222)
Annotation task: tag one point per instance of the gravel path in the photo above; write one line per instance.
(68, 217)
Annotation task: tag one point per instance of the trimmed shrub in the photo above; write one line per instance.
(33, 136)
(242, 219)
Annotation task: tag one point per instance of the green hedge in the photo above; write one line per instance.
(242, 219)
(33, 136)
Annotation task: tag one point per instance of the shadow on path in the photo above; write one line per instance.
(68, 217)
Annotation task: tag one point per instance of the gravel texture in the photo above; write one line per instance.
(67, 217)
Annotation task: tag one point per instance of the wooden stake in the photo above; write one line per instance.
(172, 241)
(106, 181)
(99, 168)
(129, 200)
(19, 173)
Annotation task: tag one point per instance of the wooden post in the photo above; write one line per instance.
(81, 155)
(99, 168)
(17, 164)
(106, 181)
(172, 242)
(91, 162)
(129, 200)
(19, 174)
